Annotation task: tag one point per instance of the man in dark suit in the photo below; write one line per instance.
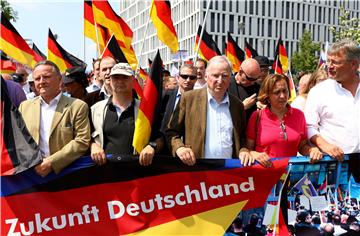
(244, 85)
(209, 122)
(186, 80)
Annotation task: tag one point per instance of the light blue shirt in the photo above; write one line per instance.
(219, 129)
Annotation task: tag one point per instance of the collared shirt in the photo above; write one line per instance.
(197, 85)
(219, 129)
(47, 112)
(278, 138)
(103, 91)
(177, 99)
(92, 88)
(118, 109)
(334, 113)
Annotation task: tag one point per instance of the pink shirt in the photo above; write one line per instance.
(270, 136)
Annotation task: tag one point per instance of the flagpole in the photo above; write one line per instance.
(97, 39)
(279, 199)
(143, 42)
(202, 31)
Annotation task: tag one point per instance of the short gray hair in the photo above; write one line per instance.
(218, 59)
(48, 63)
(350, 48)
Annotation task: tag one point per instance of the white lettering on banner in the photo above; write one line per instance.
(117, 209)
(40, 224)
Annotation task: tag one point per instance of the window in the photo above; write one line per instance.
(231, 24)
(269, 28)
(212, 21)
(223, 24)
(287, 10)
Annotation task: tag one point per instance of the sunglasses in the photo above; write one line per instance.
(191, 77)
(283, 130)
(247, 77)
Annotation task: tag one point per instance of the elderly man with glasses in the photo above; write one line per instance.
(209, 122)
(244, 85)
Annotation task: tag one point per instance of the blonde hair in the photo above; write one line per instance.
(267, 86)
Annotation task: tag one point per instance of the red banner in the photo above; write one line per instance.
(198, 202)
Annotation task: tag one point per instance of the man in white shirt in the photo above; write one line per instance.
(58, 124)
(200, 65)
(333, 106)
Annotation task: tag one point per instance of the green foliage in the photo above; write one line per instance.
(348, 28)
(305, 59)
(7, 10)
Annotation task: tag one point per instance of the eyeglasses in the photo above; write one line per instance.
(247, 77)
(191, 77)
(283, 130)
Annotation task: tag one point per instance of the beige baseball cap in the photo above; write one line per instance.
(122, 69)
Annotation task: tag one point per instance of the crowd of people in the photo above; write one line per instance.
(206, 111)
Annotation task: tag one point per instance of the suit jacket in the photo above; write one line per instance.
(168, 107)
(189, 121)
(70, 129)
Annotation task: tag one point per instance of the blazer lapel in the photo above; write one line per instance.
(202, 116)
(36, 124)
(59, 112)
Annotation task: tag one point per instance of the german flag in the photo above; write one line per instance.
(160, 14)
(146, 123)
(106, 16)
(281, 64)
(14, 45)
(250, 52)
(234, 53)
(208, 48)
(38, 55)
(19, 150)
(59, 56)
(6, 65)
(113, 50)
(143, 74)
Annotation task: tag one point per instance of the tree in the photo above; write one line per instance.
(305, 59)
(348, 28)
(7, 10)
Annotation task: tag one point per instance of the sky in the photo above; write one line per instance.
(64, 18)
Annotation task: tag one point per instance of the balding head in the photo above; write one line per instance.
(249, 72)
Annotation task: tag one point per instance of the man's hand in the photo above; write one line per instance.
(249, 101)
(246, 159)
(315, 155)
(334, 151)
(97, 154)
(186, 155)
(146, 155)
(44, 168)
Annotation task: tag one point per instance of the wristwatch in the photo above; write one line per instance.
(153, 145)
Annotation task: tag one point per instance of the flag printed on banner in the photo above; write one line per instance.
(147, 122)
(14, 45)
(137, 201)
(38, 55)
(106, 16)
(160, 14)
(305, 186)
(59, 56)
(234, 53)
(323, 186)
(19, 151)
(208, 48)
(250, 52)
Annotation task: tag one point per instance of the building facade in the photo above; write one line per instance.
(260, 22)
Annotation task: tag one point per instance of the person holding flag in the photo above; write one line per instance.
(114, 120)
